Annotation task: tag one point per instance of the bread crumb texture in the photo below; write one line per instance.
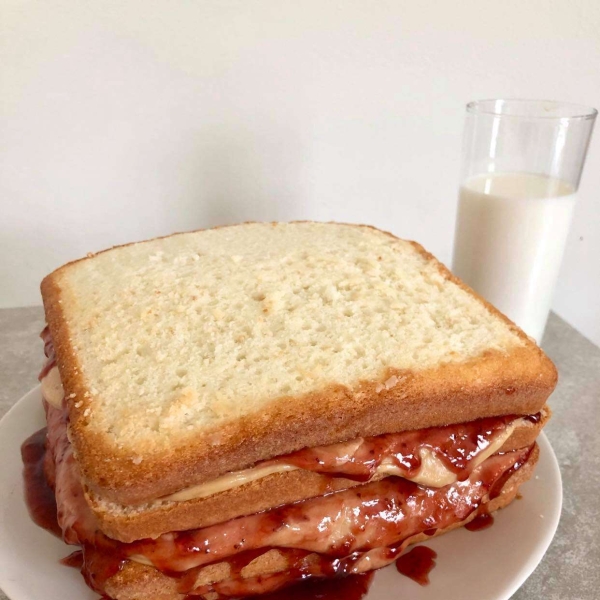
(179, 335)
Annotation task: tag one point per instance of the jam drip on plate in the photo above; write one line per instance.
(417, 564)
(39, 496)
(100, 557)
(480, 522)
(352, 587)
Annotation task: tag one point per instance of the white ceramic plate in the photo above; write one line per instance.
(486, 565)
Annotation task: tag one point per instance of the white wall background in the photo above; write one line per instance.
(126, 120)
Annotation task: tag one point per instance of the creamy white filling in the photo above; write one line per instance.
(52, 388)
(432, 472)
(141, 559)
(228, 481)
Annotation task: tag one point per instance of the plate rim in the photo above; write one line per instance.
(533, 562)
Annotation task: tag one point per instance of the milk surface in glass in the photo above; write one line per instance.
(510, 236)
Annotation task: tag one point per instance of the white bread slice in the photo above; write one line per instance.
(128, 524)
(189, 356)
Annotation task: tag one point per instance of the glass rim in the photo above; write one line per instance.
(565, 110)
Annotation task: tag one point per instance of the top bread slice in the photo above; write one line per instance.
(189, 356)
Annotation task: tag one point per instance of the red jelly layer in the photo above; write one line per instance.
(455, 445)
(348, 531)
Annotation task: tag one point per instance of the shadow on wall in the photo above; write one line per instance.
(234, 174)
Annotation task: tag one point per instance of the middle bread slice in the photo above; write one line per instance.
(150, 520)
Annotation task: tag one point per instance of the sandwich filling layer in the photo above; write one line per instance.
(433, 457)
(344, 532)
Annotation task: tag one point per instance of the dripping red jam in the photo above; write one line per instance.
(480, 522)
(39, 496)
(417, 564)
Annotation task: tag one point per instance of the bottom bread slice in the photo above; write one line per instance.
(137, 581)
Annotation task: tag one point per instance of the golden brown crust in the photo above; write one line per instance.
(495, 383)
(275, 490)
(137, 581)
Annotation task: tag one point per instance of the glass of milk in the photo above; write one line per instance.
(521, 166)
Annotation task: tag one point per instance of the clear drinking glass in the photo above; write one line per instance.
(521, 166)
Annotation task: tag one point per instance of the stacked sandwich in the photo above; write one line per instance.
(232, 410)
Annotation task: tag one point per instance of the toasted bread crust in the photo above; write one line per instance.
(275, 490)
(517, 382)
(136, 581)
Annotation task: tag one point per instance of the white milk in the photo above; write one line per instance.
(511, 232)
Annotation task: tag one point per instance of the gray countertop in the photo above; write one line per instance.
(570, 569)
